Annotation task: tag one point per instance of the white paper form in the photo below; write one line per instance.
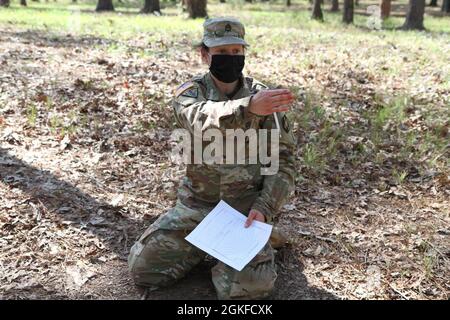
(222, 235)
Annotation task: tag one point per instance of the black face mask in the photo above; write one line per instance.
(227, 68)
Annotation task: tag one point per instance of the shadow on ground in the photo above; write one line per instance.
(45, 188)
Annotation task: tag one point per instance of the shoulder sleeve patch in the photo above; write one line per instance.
(184, 87)
(191, 93)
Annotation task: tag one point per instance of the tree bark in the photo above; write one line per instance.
(288, 3)
(23, 3)
(414, 16)
(317, 13)
(445, 6)
(385, 9)
(196, 8)
(151, 6)
(222, 1)
(433, 3)
(104, 5)
(334, 5)
(4, 3)
(348, 11)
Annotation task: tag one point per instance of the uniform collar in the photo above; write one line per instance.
(212, 93)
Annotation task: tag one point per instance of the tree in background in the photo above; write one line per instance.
(446, 6)
(414, 16)
(151, 6)
(196, 8)
(104, 5)
(334, 5)
(317, 10)
(433, 3)
(348, 11)
(288, 3)
(385, 9)
(23, 3)
(4, 3)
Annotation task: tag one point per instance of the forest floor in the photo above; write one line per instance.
(85, 121)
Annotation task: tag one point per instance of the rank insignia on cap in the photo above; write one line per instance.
(285, 123)
(228, 28)
(191, 93)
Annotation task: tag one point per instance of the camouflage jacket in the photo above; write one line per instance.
(199, 102)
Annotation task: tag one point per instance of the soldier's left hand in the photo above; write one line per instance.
(254, 215)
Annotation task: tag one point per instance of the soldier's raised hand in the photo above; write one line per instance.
(266, 102)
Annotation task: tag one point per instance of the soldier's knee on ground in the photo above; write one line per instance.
(278, 238)
(160, 257)
(255, 281)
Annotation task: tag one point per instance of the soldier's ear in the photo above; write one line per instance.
(205, 56)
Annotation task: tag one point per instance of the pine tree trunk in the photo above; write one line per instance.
(23, 3)
(446, 6)
(334, 5)
(433, 3)
(104, 5)
(196, 8)
(385, 9)
(317, 10)
(414, 16)
(288, 3)
(348, 12)
(151, 6)
(4, 3)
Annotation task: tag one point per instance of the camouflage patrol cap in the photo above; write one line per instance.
(222, 31)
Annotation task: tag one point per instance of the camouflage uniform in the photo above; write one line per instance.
(162, 255)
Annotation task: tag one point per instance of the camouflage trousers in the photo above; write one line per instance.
(162, 256)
